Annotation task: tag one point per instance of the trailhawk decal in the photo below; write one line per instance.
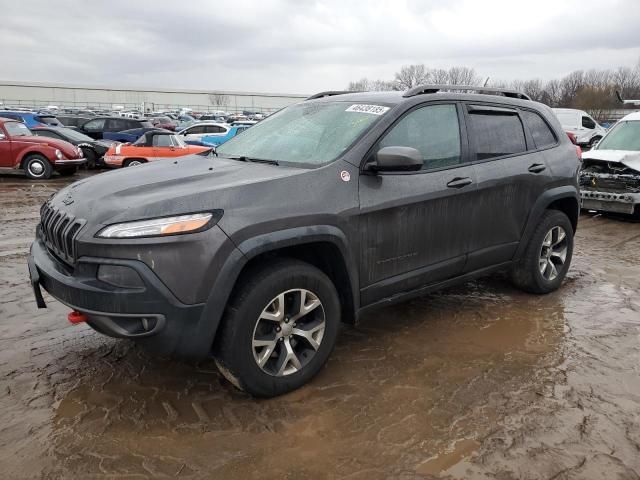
(372, 109)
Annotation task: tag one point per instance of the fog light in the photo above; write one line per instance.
(119, 276)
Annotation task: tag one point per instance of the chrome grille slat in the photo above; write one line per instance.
(59, 231)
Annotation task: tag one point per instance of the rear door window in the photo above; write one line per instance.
(495, 132)
(540, 131)
(96, 125)
(117, 125)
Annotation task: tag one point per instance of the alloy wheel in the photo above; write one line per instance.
(553, 253)
(288, 333)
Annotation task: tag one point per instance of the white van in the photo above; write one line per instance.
(587, 131)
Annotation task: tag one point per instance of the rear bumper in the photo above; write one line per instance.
(609, 201)
(149, 314)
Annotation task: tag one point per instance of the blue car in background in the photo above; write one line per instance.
(217, 140)
(129, 136)
(31, 119)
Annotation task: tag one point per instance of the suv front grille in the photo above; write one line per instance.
(58, 230)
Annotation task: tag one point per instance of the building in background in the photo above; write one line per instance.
(41, 95)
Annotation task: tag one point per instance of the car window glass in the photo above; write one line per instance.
(541, 133)
(117, 125)
(16, 129)
(623, 136)
(94, 125)
(588, 122)
(45, 133)
(195, 130)
(433, 131)
(162, 141)
(496, 134)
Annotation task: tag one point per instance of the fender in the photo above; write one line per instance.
(45, 150)
(546, 199)
(240, 256)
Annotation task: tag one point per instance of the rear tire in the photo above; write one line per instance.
(279, 328)
(37, 167)
(547, 257)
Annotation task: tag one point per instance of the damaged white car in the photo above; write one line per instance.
(610, 174)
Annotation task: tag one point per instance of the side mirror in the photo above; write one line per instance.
(2, 137)
(396, 159)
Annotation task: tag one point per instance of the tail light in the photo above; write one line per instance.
(579, 151)
(573, 138)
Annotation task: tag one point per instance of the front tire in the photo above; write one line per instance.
(279, 328)
(37, 167)
(545, 261)
(91, 157)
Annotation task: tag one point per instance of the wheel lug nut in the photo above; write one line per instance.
(282, 339)
(286, 320)
(278, 329)
(294, 325)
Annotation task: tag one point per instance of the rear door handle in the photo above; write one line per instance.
(459, 182)
(537, 168)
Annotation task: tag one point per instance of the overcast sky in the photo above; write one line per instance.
(301, 46)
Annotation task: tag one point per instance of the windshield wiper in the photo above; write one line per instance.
(244, 158)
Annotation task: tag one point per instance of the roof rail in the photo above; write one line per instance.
(329, 93)
(425, 89)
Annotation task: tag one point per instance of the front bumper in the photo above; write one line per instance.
(149, 314)
(69, 162)
(609, 201)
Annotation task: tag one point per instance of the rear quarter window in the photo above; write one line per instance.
(496, 134)
(540, 131)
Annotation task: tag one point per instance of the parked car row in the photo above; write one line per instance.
(37, 156)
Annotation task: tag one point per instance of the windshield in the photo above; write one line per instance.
(17, 129)
(310, 134)
(75, 135)
(623, 136)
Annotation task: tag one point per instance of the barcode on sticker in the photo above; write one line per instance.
(372, 109)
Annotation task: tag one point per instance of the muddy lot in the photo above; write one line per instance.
(476, 382)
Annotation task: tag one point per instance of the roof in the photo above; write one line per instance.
(631, 117)
(396, 97)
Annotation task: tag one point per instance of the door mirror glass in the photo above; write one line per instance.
(2, 137)
(396, 159)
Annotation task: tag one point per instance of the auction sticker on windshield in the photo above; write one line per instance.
(372, 109)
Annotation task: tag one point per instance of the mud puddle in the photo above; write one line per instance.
(480, 381)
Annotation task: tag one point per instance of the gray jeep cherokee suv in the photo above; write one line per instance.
(332, 206)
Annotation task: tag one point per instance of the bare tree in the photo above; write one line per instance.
(439, 76)
(361, 85)
(411, 76)
(462, 76)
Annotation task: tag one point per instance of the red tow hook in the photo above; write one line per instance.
(76, 317)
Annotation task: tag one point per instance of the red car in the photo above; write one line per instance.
(39, 157)
(163, 122)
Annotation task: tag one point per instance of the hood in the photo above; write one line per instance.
(66, 148)
(630, 159)
(187, 184)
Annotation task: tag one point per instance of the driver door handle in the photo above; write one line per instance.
(459, 182)
(537, 168)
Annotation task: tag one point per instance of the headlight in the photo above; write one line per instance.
(59, 154)
(159, 226)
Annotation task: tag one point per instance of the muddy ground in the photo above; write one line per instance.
(476, 382)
